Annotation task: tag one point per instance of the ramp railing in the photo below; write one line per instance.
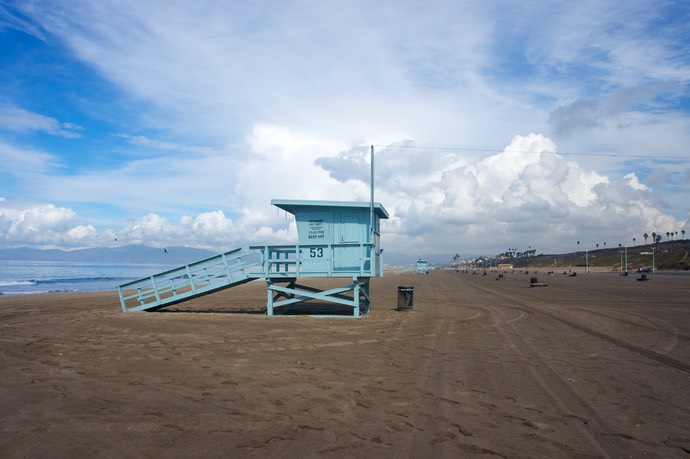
(190, 281)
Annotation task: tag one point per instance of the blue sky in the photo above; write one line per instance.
(496, 124)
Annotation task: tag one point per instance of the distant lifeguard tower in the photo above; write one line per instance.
(422, 266)
(335, 240)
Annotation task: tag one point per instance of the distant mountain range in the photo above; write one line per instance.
(124, 254)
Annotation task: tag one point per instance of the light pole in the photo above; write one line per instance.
(371, 198)
(586, 262)
(626, 260)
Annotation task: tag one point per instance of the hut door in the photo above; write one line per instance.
(350, 228)
(347, 258)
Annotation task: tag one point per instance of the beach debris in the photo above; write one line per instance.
(534, 282)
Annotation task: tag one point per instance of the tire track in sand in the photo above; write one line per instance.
(656, 356)
(600, 435)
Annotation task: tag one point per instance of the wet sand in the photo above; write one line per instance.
(595, 365)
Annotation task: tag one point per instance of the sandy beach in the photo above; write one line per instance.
(593, 365)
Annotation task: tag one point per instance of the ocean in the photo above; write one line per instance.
(42, 277)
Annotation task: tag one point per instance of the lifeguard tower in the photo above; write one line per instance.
(422, 266)
(335, 240)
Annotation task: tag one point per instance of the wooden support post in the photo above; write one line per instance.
(355, 292)
(269, 302)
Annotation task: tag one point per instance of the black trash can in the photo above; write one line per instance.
(405, 298)
(533, 280)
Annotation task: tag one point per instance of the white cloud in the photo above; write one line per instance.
(526, 192)
(213, 222)
(25, 162)
(17, 119)
(39, 219)
(439, 200)
(634, 182)
(81, 232)
(43, 226)
(145, 142)
(211, 230)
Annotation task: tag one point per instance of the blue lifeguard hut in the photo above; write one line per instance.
(422, 266)
(335, 240)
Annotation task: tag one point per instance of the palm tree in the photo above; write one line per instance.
(634, 240)
(668, 234)
(604, 244)
(653, 236)
(645, 236)
(682, 232)
(676, 235)
(597, 245)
